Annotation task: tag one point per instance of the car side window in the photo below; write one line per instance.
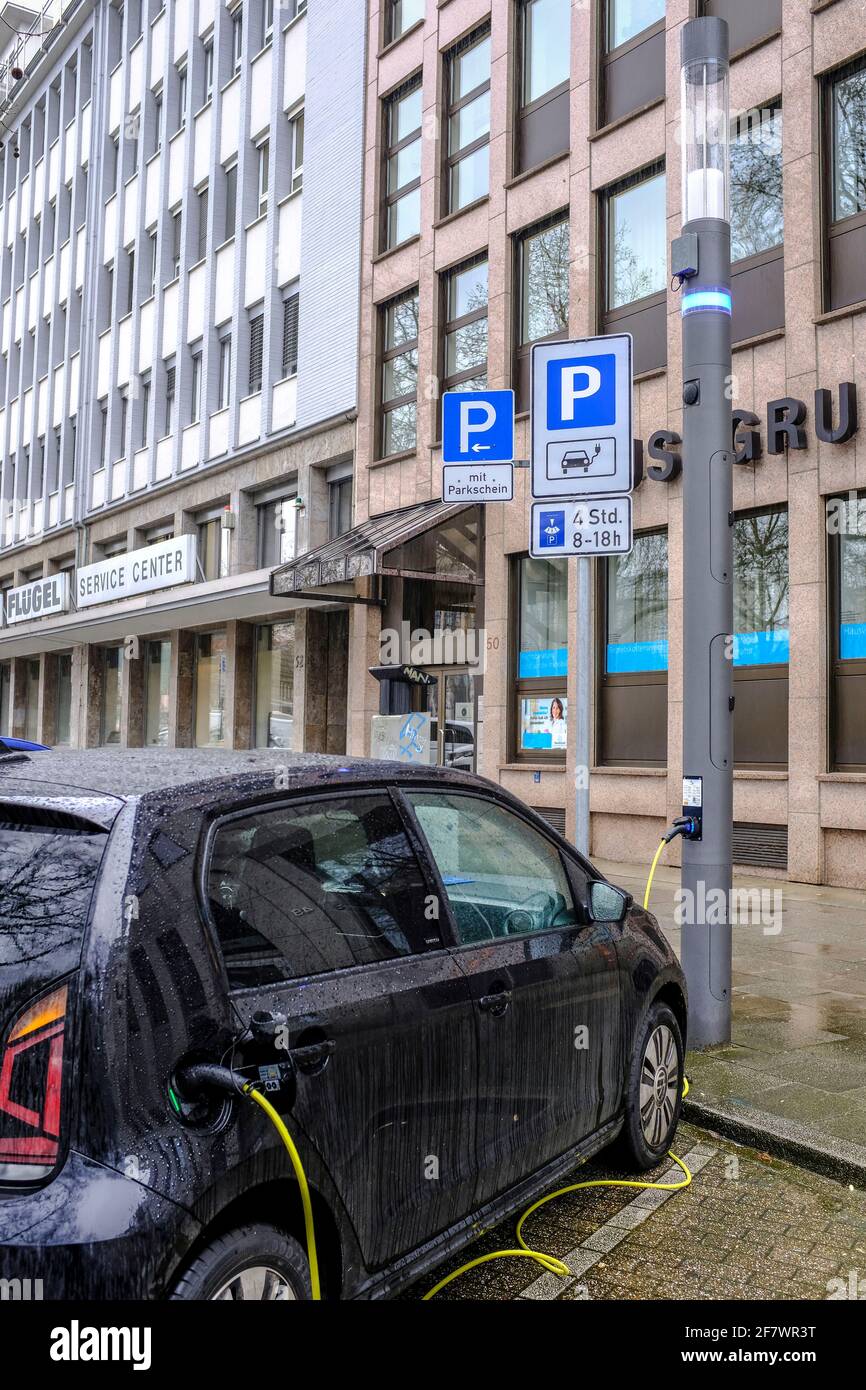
(501, 876)
(300, 890)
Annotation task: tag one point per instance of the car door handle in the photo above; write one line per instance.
(496, 1003)
(313, 1053)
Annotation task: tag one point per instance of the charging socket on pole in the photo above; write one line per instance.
(693, 806)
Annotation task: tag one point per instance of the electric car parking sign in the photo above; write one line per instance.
(582, 417)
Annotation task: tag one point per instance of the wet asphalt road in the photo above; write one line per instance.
(748, 1227)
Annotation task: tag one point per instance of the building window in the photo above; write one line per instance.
(237, 39)
(544, 71)
(214, 541)
(263, 152)
(403, 164)
(157, 123)
(466, 327)
(257, 341)
(402, 15)
(291, 309)
(635, 266)
(124, 417)
(267, 21)
(211, 679)
(761, 639)
(154, 260)
(542, 309)
(176, 243)
(157, 657)
(756, 222)
(168, 420)
(112, 695)
(103, 431)
(6, 694)
(203, 204)
(845, 136)
(399, 375)
(847, 525)
(541, 658)
(277, 528)
(275, 677)
(339, 508)
(231, 202)
(225, 383)
(145, 413)
(63, 699)
(633, 64)
(748, 24)
(130, 281)
(296, 133)
(208, 71)
(468, 116)
(195, 392)
(633, 661)
(181, 98)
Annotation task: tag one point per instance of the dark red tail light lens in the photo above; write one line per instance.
(31, 1089)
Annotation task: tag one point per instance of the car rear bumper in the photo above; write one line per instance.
(90, 1234)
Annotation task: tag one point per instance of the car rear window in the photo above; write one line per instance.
(49, 861)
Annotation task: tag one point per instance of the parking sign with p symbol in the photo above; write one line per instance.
(581, 392)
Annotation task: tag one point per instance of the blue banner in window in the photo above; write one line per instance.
(552, 662)
(761, 648)
(852, 641)
(636, 656)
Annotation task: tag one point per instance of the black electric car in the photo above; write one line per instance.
(457, 1007)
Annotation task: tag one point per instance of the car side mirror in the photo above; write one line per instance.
(606, 903)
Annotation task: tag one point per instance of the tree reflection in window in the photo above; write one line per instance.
(849, 145)
(756, 182)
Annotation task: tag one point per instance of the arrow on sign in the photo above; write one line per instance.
(478, 448)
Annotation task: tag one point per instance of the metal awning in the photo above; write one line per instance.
(360, 552)
(245, 597)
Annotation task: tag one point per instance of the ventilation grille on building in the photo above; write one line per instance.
(290, 336)
(554, 815)
(765, 846)
(257, 339)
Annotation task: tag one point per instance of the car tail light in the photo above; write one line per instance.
(31, 1086)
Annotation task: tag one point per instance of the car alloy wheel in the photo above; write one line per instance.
(659, 1085)
(258, 1284)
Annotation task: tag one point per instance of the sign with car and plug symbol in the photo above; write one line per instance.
(582, 418)
(477, 446)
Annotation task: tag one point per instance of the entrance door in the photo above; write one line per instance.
(455, 709)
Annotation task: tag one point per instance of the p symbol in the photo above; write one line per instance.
(487, 418)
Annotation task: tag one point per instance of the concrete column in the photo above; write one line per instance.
(47, 723)
(18, 696)
(79, 696)
(363, 691)
(239, 688)
(132, 699)
(90, 712)
(181, 707)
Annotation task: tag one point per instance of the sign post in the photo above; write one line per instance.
(582, 474)
(701, 261)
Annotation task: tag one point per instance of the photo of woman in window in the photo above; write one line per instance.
(558, 726)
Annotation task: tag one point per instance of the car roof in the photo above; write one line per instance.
(97, 781)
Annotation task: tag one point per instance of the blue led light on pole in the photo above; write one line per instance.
(701, 262)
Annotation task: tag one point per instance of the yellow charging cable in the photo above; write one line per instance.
(277, 1122)
(549, 1262)
(649, 882)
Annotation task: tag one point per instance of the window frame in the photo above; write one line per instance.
(606, 680)
(529, 687)
(451, 107)
(449, 326)
(522, 351)
(524, 111)
(618, 320)
(840, 669)
(833, 229)
(389, 200)
(386, 354)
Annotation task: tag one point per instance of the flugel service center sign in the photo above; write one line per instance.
(139, 572)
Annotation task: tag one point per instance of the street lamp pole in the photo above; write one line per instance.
(701, 260)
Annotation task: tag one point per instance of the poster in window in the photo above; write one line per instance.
(544, 723)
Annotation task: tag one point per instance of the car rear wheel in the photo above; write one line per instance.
(653, 1092)
(251, 1264)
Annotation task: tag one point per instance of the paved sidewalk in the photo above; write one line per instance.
(796, 1066)
(748, 1227)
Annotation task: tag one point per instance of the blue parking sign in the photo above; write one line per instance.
(551, 530)
(478, 427)
(581, 417)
